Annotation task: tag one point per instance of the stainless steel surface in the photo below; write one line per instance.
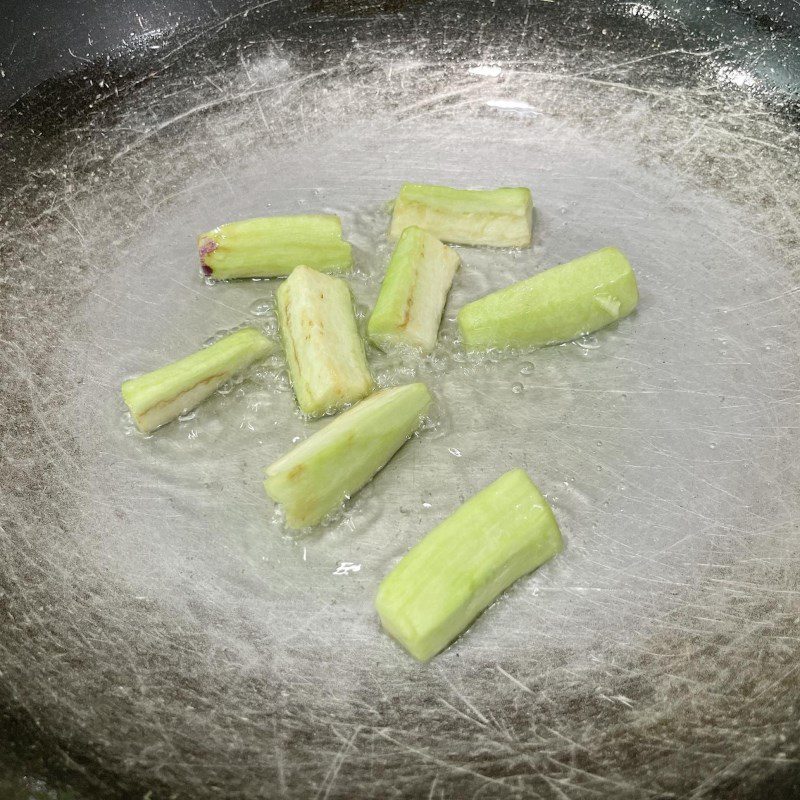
(167, 634)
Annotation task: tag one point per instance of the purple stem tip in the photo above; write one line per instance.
(207, 247)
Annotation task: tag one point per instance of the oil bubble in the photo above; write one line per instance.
(260, 307)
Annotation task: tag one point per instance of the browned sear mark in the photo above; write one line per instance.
(169, 400)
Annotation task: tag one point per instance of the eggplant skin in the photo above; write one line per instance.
(313, 480)
(557, 305)
(164, 394)
(324, 350)
(268, 247)
(446, 580)
(413, 294)
(490, 217)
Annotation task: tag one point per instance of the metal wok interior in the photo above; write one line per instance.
(162, 633)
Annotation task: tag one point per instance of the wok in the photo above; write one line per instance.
(163, 636)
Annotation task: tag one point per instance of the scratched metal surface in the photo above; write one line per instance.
(162, 633)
